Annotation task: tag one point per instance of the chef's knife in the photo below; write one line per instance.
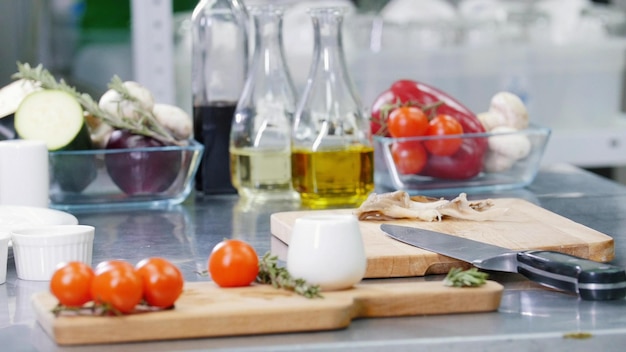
(590, 280)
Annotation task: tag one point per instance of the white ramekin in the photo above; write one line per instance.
(38, 250)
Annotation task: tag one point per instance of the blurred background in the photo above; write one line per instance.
(564, 58)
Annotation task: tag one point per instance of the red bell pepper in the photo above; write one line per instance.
(467, 161)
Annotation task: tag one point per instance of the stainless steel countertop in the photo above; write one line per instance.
(530, 317)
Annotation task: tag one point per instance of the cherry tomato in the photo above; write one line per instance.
(410, 157)
(444, 125)
(71, 283)
(162, 281)
(233, 263)
(407, 121)
(117, 284)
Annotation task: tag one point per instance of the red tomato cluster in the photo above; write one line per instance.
(404, 109)
(233, 263)
(117, 284)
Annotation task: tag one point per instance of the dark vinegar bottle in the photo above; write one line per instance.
(212, 125)
(219, 68)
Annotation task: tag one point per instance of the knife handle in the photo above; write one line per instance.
(591, 280)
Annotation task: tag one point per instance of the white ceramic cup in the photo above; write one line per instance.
(327, 250)
(38, 250)
(5, 236)
(24, 175)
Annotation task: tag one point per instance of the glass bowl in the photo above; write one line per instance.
(458, 173)
(138, 177)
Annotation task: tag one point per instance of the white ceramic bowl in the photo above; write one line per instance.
(327, 250)
(5, 237)
(38, 250)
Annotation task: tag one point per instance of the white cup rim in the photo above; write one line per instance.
(328, 217)
(22, 142)
(51, 231)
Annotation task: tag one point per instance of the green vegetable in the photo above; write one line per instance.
(55, 117)
(72, 172)
(147, 125)
(469, 278)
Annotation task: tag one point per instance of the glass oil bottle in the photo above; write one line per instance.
(260, 141)
(332, 152)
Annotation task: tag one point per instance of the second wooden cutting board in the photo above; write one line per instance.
(205, 310)
(524, 226)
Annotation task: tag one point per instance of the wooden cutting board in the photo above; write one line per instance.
(524, 226)
(205, 310)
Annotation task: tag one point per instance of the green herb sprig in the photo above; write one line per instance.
(279, 277)
(458, 277)
(147, 125)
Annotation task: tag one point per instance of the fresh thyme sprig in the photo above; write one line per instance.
(457, 277)
(279, 277)
(147, 125)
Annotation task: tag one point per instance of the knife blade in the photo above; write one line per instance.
(591, 280)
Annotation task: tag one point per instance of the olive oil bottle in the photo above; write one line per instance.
(260, 140)
(332, 153)
(333, 177)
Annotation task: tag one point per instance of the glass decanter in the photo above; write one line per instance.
(219, 69)
(332, 152)
(260, 140)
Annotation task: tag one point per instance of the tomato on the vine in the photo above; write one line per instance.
(233, 263)
(444, 125)
(407, 121)
(162, 281)
(116, 283)
(71, 283)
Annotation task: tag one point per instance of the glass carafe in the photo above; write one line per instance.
(219, 69)
(332, 153)
(260, 141)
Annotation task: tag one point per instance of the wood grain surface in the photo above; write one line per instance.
(205, 310)
(524, 226)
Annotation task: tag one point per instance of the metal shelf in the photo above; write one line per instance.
(153, 65)
(152, 42)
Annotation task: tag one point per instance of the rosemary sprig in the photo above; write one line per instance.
(147, 118)
(279, 277)
(147, 125)
(457, 277)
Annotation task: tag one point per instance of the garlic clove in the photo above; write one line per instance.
(491, 120)
(114, 103)
(512, 110)
(174, 119)
(496, 162)
(512, 145)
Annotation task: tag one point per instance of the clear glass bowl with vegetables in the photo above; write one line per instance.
(496, 171)
(426, 142)
(139, 176)
(123, 149)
